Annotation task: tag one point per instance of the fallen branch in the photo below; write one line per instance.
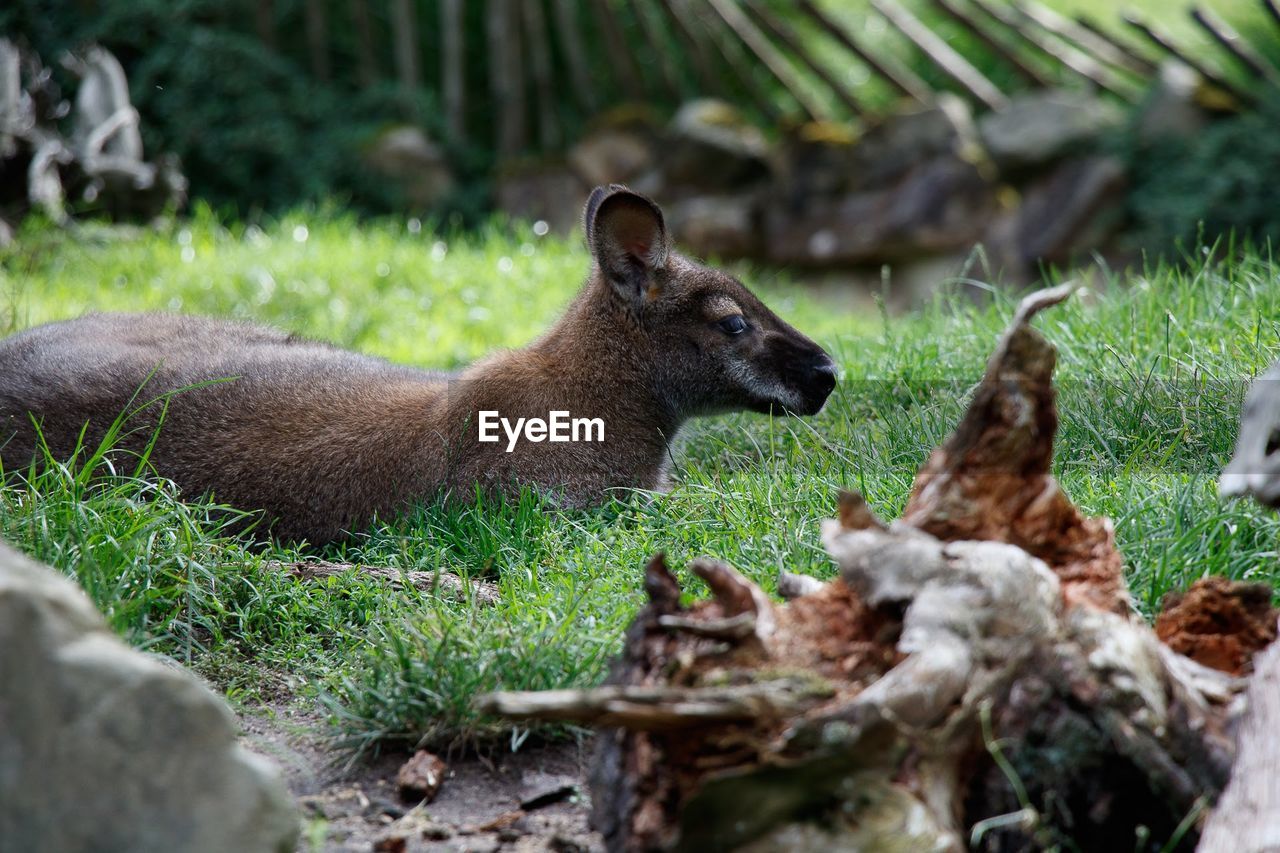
(483, 591)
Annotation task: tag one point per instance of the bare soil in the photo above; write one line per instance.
(531, 800)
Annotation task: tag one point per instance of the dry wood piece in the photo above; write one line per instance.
(969, 676)
(484, 592)
(1247, 818)
(1219, 623)
(991, 480)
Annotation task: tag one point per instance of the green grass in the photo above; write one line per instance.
(1152, 371)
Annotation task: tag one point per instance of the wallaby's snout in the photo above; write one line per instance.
(808, 370)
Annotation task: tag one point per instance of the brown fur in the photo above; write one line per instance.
(321, 439)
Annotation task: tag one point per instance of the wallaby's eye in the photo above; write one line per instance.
(733, 325)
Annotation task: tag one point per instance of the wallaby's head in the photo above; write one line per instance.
(710, 345)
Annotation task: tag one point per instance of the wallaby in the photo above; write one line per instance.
(321, 439)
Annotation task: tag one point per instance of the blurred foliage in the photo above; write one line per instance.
(1198, 187)
(253, 129)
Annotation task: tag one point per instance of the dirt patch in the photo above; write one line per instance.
(531, 800)
(1218, 622)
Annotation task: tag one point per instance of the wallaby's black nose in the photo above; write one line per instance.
(819, 383)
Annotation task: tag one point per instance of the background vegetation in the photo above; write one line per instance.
(258, 130)
(1152, 372)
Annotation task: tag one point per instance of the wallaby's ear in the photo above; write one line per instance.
(628, 238)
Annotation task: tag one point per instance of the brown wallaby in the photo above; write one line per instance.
(321, 439)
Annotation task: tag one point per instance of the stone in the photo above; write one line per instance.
(536, 191)
(825, 159)
(710, 146)
(412, 164)
(106, 748)
(725, 226)
(421, 777)
(612, 155)
(939, 206)
(1076, 207)
(1041, 126)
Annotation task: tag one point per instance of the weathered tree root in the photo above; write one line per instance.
(972, 677)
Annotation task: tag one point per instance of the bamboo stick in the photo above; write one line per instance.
(366, 63)
(1164, 44)
(453, 75)
(317, 26)
(1070, 57)
(535, 30)
(897, 76)
(620, 56)
(506, 79)
(662, 57)
(1106, 35)
(703, 64)
(731, 51)
(575, 53)
(787, 37)
(1025, 70)
(1100, 46)
(264, 19)
(778, 65)
(404, 31)
(941, 54)
(1235, 44)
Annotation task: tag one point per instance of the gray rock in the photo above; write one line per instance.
(547, 192)
(725, 226)
(103, 748)
(612, 155)
(941, 205)
(412, 163)
(1039, 127)
(710, 146)
(826, 160)
(1077, 206)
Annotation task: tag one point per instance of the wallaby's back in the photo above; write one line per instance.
(306, 431)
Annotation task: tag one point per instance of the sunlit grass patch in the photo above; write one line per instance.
(1152, 368)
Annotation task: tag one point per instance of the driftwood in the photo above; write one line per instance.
(973, 679)
(435, 582)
